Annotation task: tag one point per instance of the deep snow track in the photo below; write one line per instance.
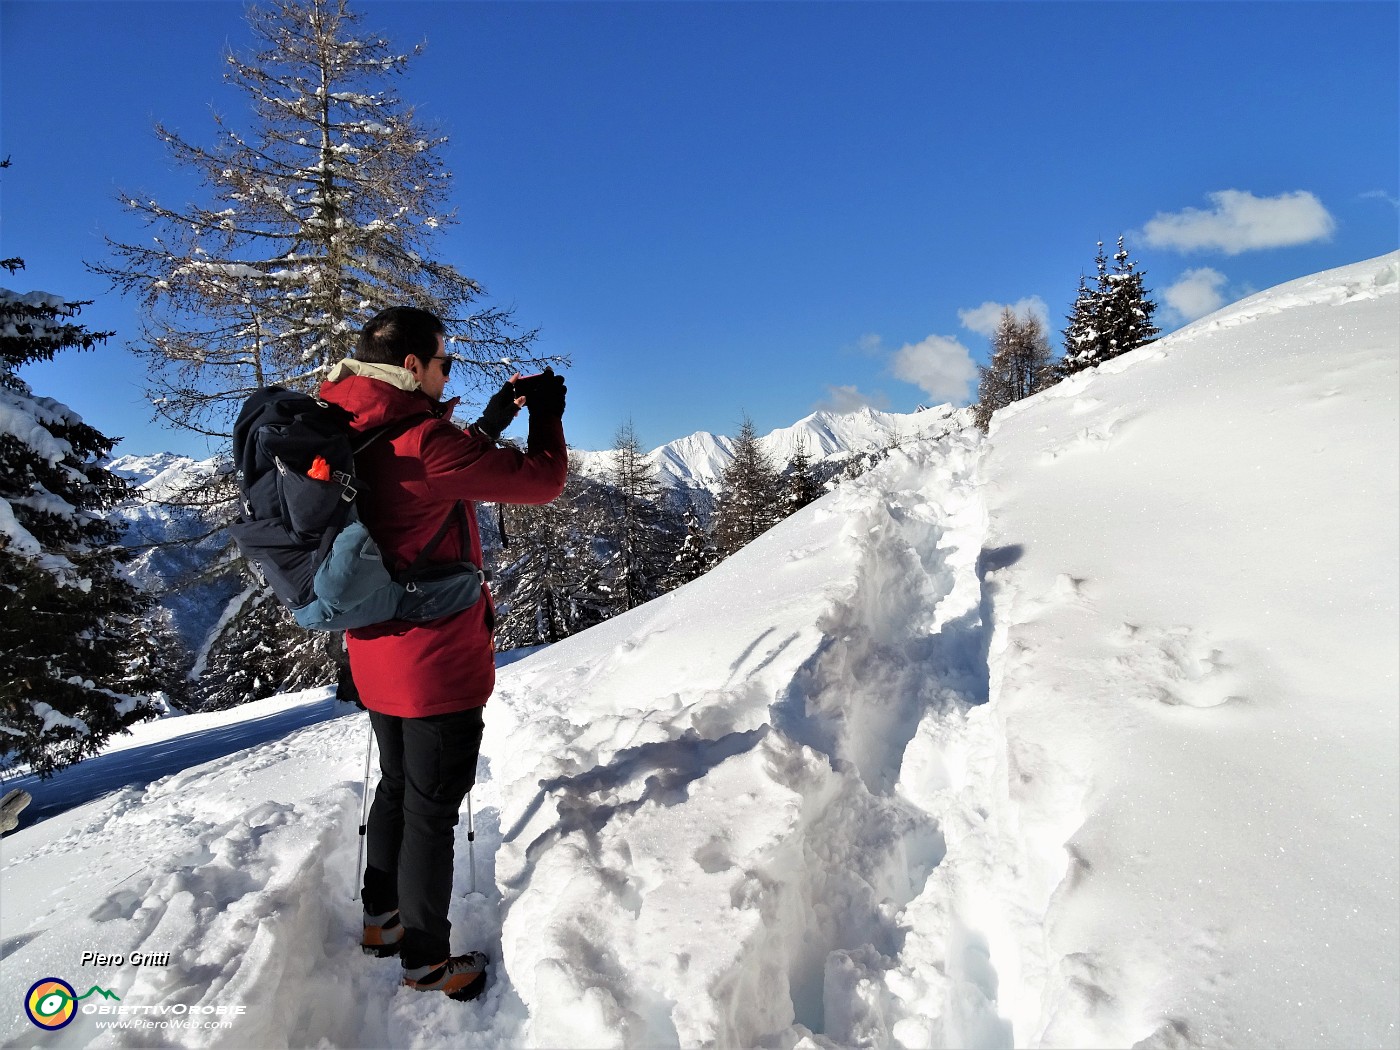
(754, 857)
(902, 662)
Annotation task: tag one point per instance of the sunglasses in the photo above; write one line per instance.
(446, 364)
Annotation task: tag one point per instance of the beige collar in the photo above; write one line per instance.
(394, 375)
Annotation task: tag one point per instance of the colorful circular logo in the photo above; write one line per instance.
(51, 1003)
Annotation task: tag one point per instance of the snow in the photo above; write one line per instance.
(241, 271)
(53, 719)
(158, 748)
(167, 551)
(37, 316)
(33, 300)
(16, 536)
(1082, 734)
(29, 418)
(42, 501)
(1215, 678)
(22, 542)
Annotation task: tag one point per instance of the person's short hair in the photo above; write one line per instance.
(393, 334)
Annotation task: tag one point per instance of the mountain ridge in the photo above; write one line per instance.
(695, 460)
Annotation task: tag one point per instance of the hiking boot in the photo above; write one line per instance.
(461, 977)
(382, 934)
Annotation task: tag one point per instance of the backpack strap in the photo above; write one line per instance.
(369, 437)
(456, 516)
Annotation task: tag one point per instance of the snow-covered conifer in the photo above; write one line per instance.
(751, 494)
(1085, 345)
(641, 544)
(799, 479)
(76, 662)
(260, 652)
(1110, 316)
(1129, 307)
(696, 554)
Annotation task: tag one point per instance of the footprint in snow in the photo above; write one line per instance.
(1066, 591)
(1178, 667)
(1094, 438)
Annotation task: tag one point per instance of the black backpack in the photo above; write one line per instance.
(295, 462)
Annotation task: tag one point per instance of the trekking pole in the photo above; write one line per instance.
(364, 813)
(471, 840)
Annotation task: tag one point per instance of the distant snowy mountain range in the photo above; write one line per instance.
(694, 461)
(176, 544)
(146, 469)
(697, 461)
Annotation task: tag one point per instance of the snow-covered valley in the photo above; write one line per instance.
(1080, 734)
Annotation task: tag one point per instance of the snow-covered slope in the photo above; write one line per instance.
(1194, 566)
(1081, 735)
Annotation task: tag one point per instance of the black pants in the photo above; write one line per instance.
(427, 766)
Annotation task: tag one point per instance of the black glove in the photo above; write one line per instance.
(544, 393)
(499, 412)
(345, 688)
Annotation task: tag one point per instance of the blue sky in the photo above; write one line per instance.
(718, 208)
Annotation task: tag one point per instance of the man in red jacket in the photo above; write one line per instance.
(425, 684)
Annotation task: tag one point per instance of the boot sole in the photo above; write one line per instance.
(380, 951)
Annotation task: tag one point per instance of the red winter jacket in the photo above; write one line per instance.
(412, 480)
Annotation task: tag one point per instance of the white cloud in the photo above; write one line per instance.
(1196, 293)
(842, 399)
(1241, 222)
(940, 365)
(1382, 195)
(984, 319)
(870, 344)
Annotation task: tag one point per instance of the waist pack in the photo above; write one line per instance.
(295, 462)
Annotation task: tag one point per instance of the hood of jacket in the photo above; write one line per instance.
(377, 395)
